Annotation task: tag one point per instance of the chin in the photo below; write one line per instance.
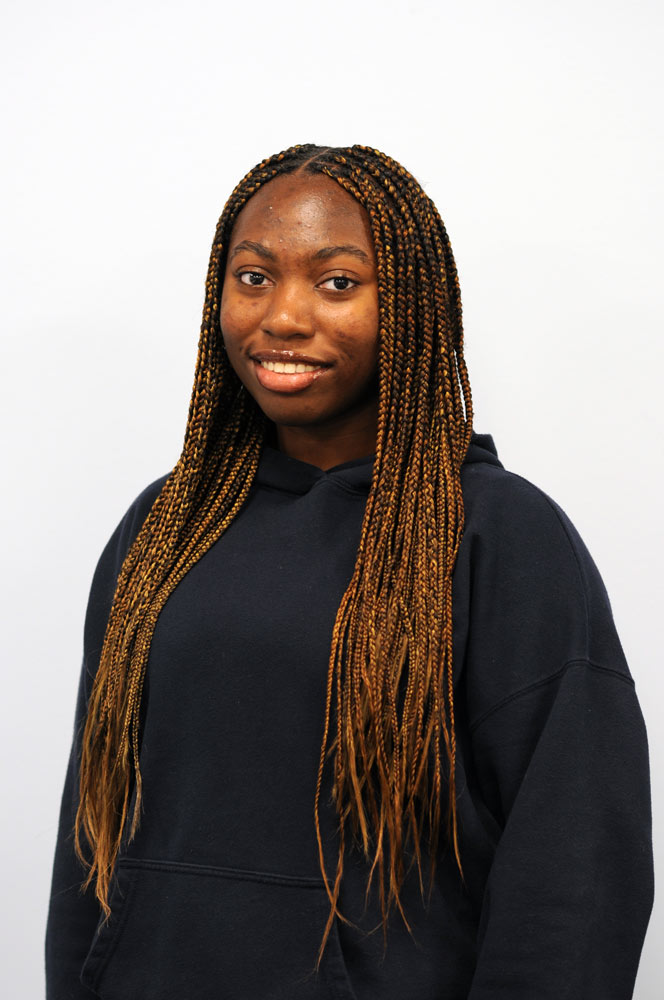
(289, 417)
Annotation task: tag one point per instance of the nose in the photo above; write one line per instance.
(289, 312)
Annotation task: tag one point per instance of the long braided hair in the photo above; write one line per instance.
(389, 704)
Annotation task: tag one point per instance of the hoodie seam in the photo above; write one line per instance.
(577, 662)
(297, 493)
(350, 489)
(281, 489)
(215, 871)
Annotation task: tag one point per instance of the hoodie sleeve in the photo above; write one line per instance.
(561, 759)
(72, 914)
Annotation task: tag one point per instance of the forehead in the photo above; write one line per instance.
(303, 208)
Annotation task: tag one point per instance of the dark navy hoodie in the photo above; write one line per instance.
(220, 893)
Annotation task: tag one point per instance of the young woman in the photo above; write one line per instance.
(354, 719)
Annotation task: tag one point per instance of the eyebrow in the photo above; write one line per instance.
(323, 254)
(347, 248)
(256, 248)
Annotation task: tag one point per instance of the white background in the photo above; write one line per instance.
(537, 130)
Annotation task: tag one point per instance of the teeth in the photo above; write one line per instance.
(287, 367)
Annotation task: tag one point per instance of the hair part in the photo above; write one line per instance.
(389, 709)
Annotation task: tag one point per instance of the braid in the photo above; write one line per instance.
(389, 693)
(394, 627)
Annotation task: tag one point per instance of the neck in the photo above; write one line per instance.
(329, 445)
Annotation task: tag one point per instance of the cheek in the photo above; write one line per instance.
(225, 314)
(233, 318)
(358, 336)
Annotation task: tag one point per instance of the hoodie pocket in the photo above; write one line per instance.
(192, 932)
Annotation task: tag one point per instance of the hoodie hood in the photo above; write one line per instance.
(482, 449)
(279, 471)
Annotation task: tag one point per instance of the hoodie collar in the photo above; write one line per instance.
(482, 449)
(279, 471)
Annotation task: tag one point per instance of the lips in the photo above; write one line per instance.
(285, 382)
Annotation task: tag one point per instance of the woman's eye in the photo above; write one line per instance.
(339, 283)
(252, 278)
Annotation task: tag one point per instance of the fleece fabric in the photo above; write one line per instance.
(220, 894)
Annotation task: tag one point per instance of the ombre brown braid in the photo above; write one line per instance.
(389, 688)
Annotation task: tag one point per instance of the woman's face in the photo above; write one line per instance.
(299, 307)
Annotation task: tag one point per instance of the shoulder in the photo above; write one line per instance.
(133, 519)
(111, 559)
(508, 509)
(518, 523)
(128, 527)
(529, 593)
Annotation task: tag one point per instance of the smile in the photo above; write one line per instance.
(287, 376)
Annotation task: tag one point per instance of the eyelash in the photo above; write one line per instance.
(336, 277)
